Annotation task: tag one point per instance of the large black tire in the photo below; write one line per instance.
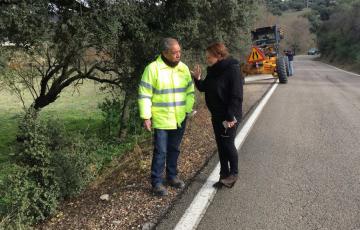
(286, 59)
(281, 70)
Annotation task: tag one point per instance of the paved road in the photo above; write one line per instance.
(300, 165)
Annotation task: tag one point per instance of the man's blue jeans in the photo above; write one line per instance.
(291, 68)
(166, 149)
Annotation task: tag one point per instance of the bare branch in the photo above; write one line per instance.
(13, 88)
(76, 86)
(79, 82)
(107, 69)
(20, 96)
(39, 69)
(28, 85)
(48, 58)
(103, 80)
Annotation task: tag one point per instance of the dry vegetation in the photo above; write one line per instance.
(131, 204)
(295, 25)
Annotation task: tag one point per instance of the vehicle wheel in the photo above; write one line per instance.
(281, 70)
(286, 59)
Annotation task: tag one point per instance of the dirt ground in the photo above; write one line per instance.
(131, 205)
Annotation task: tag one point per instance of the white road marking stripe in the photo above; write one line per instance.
(202, 200)
(245, 130)
(313, 69)
(259, 77)
(348, 72)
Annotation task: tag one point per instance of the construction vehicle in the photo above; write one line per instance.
(265, 56)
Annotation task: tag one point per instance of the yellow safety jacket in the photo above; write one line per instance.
(166, 94)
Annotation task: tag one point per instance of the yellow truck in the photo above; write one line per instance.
(265, 56)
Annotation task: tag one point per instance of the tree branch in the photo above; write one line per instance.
(46, 78)
(29, 85)
(102, 80)
(107, 69)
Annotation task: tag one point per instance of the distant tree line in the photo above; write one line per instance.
(337, 26)
(277, 7)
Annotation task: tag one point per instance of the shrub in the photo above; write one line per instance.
(297, 5)
(111, 110)
(134, 125)
(114, 111)
(7, 224)
(32, 192)
(31, 199)
(74, 165)
(50, 164)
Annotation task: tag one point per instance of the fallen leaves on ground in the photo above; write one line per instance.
(131, 204)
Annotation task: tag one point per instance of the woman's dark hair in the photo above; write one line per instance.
(218, 49)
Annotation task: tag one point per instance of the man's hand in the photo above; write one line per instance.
(147, 125)
(196, 72)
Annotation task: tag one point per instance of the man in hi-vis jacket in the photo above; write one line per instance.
(166, 96)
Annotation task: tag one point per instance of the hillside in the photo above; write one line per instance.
(296, 28)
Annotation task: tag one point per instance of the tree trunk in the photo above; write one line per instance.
(43, 101)
(122, 128)
(125, 115)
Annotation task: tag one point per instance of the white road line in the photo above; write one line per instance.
(202, 200)
(314, 69)
(245, 130)
(351, 73)
(258, 77)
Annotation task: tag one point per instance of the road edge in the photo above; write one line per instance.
(194, 213)
(342, 70)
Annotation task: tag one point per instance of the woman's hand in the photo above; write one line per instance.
(231, 123)
(196, 72)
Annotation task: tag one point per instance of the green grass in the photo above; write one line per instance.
(78, 112)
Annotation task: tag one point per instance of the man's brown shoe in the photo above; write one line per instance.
(229, 181)
(160, 190)
(176, 183)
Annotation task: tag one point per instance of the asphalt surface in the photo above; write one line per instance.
(299, 168)
(254, 90)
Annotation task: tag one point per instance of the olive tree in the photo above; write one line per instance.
(64, 42)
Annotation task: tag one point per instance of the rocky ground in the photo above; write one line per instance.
(128, 202)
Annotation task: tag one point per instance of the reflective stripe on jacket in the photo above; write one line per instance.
(166, 94)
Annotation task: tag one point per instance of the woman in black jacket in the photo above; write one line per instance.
(223, 87)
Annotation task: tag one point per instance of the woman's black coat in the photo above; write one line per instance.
(223, 87)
